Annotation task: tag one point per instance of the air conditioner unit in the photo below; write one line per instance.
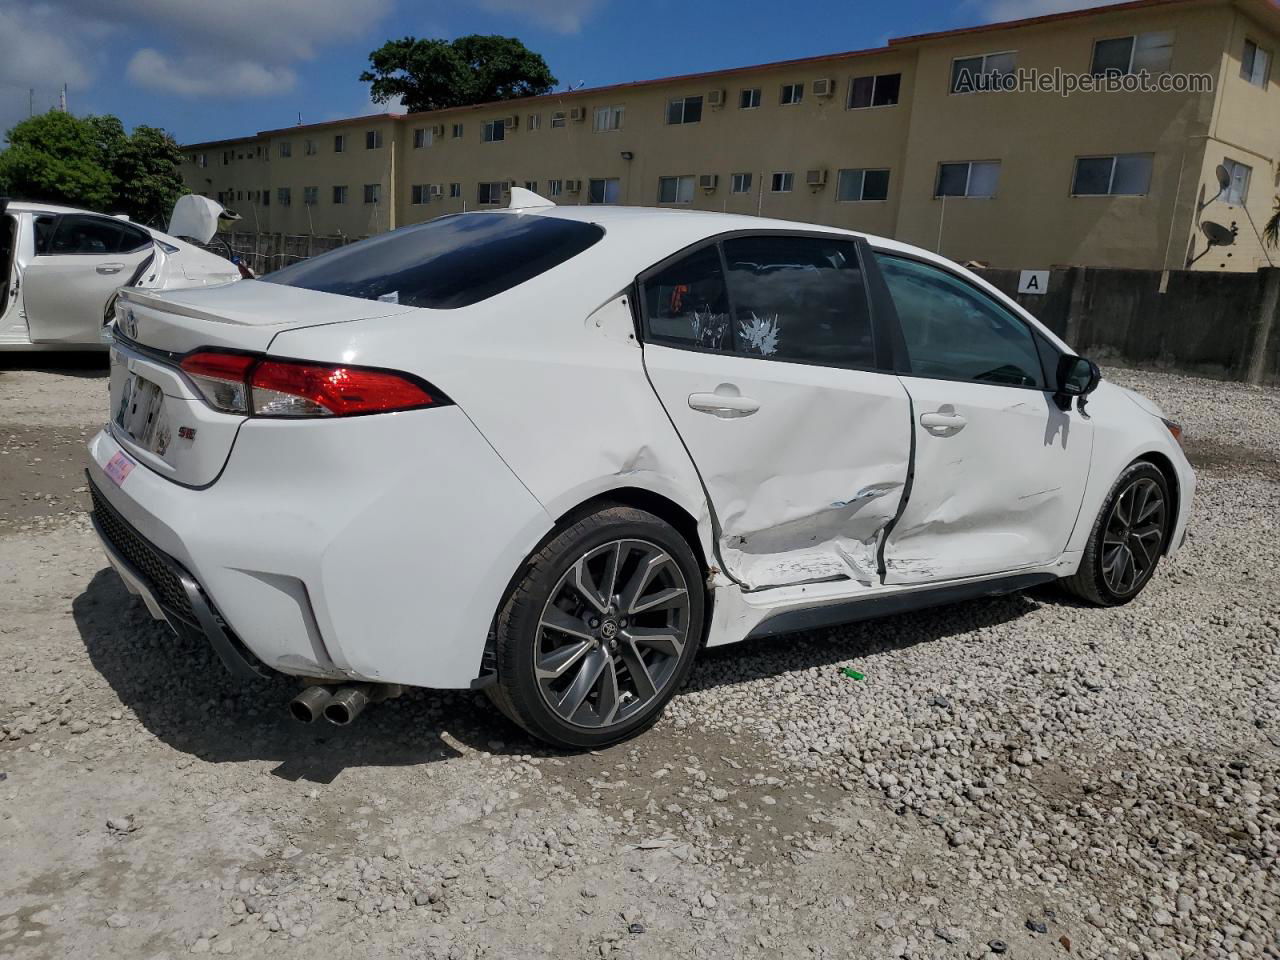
(824, 87)
(578, 114)
(816, 178)
(511, 122)
(507, 185)
(715, 98)
(434, 190)
(438, 130)
(708, 181)
(572, 186)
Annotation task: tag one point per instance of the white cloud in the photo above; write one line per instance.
(994, 11)
(197, 75)
(562, 16)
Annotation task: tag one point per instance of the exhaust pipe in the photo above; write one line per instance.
(345, 705)
(308, 706)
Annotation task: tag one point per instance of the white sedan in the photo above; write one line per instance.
(553, 452)
(60, 269)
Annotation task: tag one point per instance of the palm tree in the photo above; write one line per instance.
(1271, 232)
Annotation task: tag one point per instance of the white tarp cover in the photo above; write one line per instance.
(195, 217)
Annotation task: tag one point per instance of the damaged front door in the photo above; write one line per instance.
(1000, 470)
(761, 351)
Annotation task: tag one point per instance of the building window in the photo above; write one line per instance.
(310, 195)
(373, 139)
(372, 192)
(309, 148)
(749, 99)
(781, 182)
(684, 110)
(740, 183)
(791, 93)
(531, 186)
(488, 194)
(858, 185)
(878, 91)
(1238, 193)
(976, 179)
(607, 118)
(1127, 175)
(202, 160)
(422, 138)
(554, 187)
(1255, 65)
(266, 198)
(339, 194)
(419, 193)
(604, 190)
(675, 189)
(339, 143)
(557, 119)
(491, 131)
(455, 190)
(286, 149)
(457, 131)
(535, 121)
(975, 74)
(1119, 56)
(283, 196)
(227, 156)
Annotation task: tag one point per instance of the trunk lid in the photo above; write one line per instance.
(156, 415)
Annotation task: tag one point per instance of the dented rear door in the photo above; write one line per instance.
(761, 351)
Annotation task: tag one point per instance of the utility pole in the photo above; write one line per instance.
(62, 101)
(31, 102)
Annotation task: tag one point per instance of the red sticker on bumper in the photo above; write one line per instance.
(119, 467)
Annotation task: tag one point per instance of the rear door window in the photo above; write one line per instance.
(450, 262)
(686, 305)
(800, 299)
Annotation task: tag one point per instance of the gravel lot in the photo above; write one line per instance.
(1018, 777)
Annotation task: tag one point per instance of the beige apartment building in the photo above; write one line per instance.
(901, 141)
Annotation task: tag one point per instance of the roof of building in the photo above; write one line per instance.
(894, 45)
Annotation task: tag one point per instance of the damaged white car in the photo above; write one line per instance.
(553, 452)
(60, 269)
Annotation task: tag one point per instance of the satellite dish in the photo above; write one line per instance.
(1224, 178)
(1217, 234)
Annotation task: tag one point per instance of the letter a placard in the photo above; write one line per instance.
(1034, 282)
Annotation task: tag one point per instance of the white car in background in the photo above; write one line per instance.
(60, 269)
(552, 452)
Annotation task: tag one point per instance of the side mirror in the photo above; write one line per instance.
(1077, 377)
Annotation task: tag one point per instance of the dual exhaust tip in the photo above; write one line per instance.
(339, 705)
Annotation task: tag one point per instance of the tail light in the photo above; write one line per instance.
(253, 385)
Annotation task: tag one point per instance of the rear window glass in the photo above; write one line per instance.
(451, 262)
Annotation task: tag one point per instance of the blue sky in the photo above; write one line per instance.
(207, 69)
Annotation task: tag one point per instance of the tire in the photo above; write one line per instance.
(561, 626)
(1130, 528)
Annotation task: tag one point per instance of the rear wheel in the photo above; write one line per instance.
(601, 630)
(1127, 539)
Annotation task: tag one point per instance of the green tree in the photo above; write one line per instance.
(92, 162)
(434, 74)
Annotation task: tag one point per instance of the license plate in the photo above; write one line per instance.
(140, 414)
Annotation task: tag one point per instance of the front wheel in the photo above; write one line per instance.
(600, 631)
(1127, 540)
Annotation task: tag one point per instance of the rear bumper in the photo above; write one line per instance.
(169, 592)
(369, 548)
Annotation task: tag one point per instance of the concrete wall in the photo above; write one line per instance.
(1204, 322)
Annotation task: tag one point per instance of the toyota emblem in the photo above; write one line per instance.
(130, 325)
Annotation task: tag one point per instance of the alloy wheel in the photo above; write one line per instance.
(1134, 536)
(612, 633)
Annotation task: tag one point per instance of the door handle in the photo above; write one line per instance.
(723, 405)
(943, 421)
(107, 268)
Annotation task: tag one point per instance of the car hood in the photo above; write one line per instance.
(1146, 404)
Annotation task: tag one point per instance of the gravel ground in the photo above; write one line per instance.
(1017, 777)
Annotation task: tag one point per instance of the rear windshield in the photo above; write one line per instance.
(451, 262)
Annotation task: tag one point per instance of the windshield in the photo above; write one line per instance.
(454, 261)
